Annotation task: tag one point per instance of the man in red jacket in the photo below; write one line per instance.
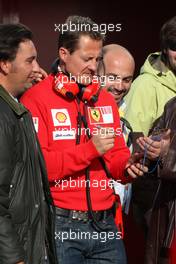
(79, 131)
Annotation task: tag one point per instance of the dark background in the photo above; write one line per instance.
(141, 22)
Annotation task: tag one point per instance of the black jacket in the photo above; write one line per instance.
(162, 226)
(26, 207)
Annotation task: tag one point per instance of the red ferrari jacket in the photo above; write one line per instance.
(55, 120)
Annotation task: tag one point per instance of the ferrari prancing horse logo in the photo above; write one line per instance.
(95, 114)
(100, 115)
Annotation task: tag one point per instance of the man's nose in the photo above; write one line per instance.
(118, 84)
(93, 66)
(36, 67)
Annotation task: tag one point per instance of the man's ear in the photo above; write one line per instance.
(5, 66)
(63, 54)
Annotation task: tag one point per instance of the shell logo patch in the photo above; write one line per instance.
(61, 117)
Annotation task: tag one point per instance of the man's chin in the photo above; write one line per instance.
(117, 99)
(28, 85)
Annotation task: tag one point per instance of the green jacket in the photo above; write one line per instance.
(149, 92)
